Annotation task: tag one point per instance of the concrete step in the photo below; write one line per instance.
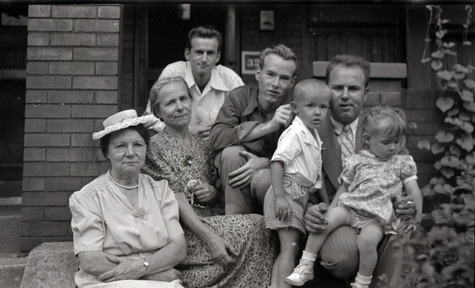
(10, 219)
(11, 271)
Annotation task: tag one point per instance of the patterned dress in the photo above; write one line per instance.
(373, 181)
(167, 159)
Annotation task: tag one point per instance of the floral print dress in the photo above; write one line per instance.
(252, 266)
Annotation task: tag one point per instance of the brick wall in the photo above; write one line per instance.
(72, 85)
(290, 24)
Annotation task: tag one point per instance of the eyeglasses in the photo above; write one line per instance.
(122, 148)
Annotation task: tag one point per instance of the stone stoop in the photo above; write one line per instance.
(10, 235)
(11, 271)
(49, 265)
(11, 265)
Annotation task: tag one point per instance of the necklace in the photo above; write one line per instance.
(123, 186)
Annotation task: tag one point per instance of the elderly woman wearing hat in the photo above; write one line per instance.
(223, 250)
(125, 224)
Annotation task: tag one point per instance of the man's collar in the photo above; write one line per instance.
(215, 82)
(338, 127)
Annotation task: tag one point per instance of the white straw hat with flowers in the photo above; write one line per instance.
(121, 120)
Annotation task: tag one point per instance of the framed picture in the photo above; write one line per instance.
(267, 20)
(249, 61)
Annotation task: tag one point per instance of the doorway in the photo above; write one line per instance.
(160, 34)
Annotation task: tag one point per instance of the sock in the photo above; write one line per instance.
(308, 256)
(362, 281)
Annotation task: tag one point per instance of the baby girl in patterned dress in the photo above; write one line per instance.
(363, 200)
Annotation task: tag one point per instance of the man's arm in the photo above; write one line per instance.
(342, 189)
(282, 116)
(229, 117)
(229, 129)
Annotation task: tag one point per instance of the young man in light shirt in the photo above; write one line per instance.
(208, 83)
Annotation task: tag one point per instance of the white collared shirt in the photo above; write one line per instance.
(205, 105)
(300, 152)
(338, 127)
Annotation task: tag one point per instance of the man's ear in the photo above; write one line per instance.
(218, 56)
(187, 54)
(294, 80)
(366, 93)
(258, 73)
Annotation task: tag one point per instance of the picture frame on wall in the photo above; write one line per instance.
(266, 20)
(249, 61)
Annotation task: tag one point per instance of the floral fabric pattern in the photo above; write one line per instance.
(167, 159)
(372, 182)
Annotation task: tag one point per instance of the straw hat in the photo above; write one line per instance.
(121, 120)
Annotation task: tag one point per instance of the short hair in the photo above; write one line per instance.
(316, 84)
(282, 51)
(154, 97)
(205, 31)
(385, 120)
(140, 128)
(348, 60)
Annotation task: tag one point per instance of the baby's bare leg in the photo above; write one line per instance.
(336, 217)
(368, 241)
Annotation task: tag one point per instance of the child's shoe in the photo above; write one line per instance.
(302, 273)
(359, 285)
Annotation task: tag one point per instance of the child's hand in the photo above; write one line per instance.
(282, 208)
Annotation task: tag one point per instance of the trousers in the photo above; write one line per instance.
(241, 200)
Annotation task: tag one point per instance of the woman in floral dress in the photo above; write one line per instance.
(223, 251)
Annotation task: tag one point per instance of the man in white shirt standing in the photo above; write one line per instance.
(208, 83)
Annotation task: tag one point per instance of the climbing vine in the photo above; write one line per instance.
(441, 253)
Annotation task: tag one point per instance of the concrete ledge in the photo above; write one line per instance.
(378, 70)
(51, 264)
(10, 235)
(11, 271)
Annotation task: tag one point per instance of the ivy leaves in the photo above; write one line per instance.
(442, 253)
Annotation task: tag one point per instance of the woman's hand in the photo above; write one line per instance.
(219, 249)
(314, 220)
(204, 192)
(127, 269)
(282, 208)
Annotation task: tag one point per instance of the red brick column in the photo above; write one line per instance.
(72, 85)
